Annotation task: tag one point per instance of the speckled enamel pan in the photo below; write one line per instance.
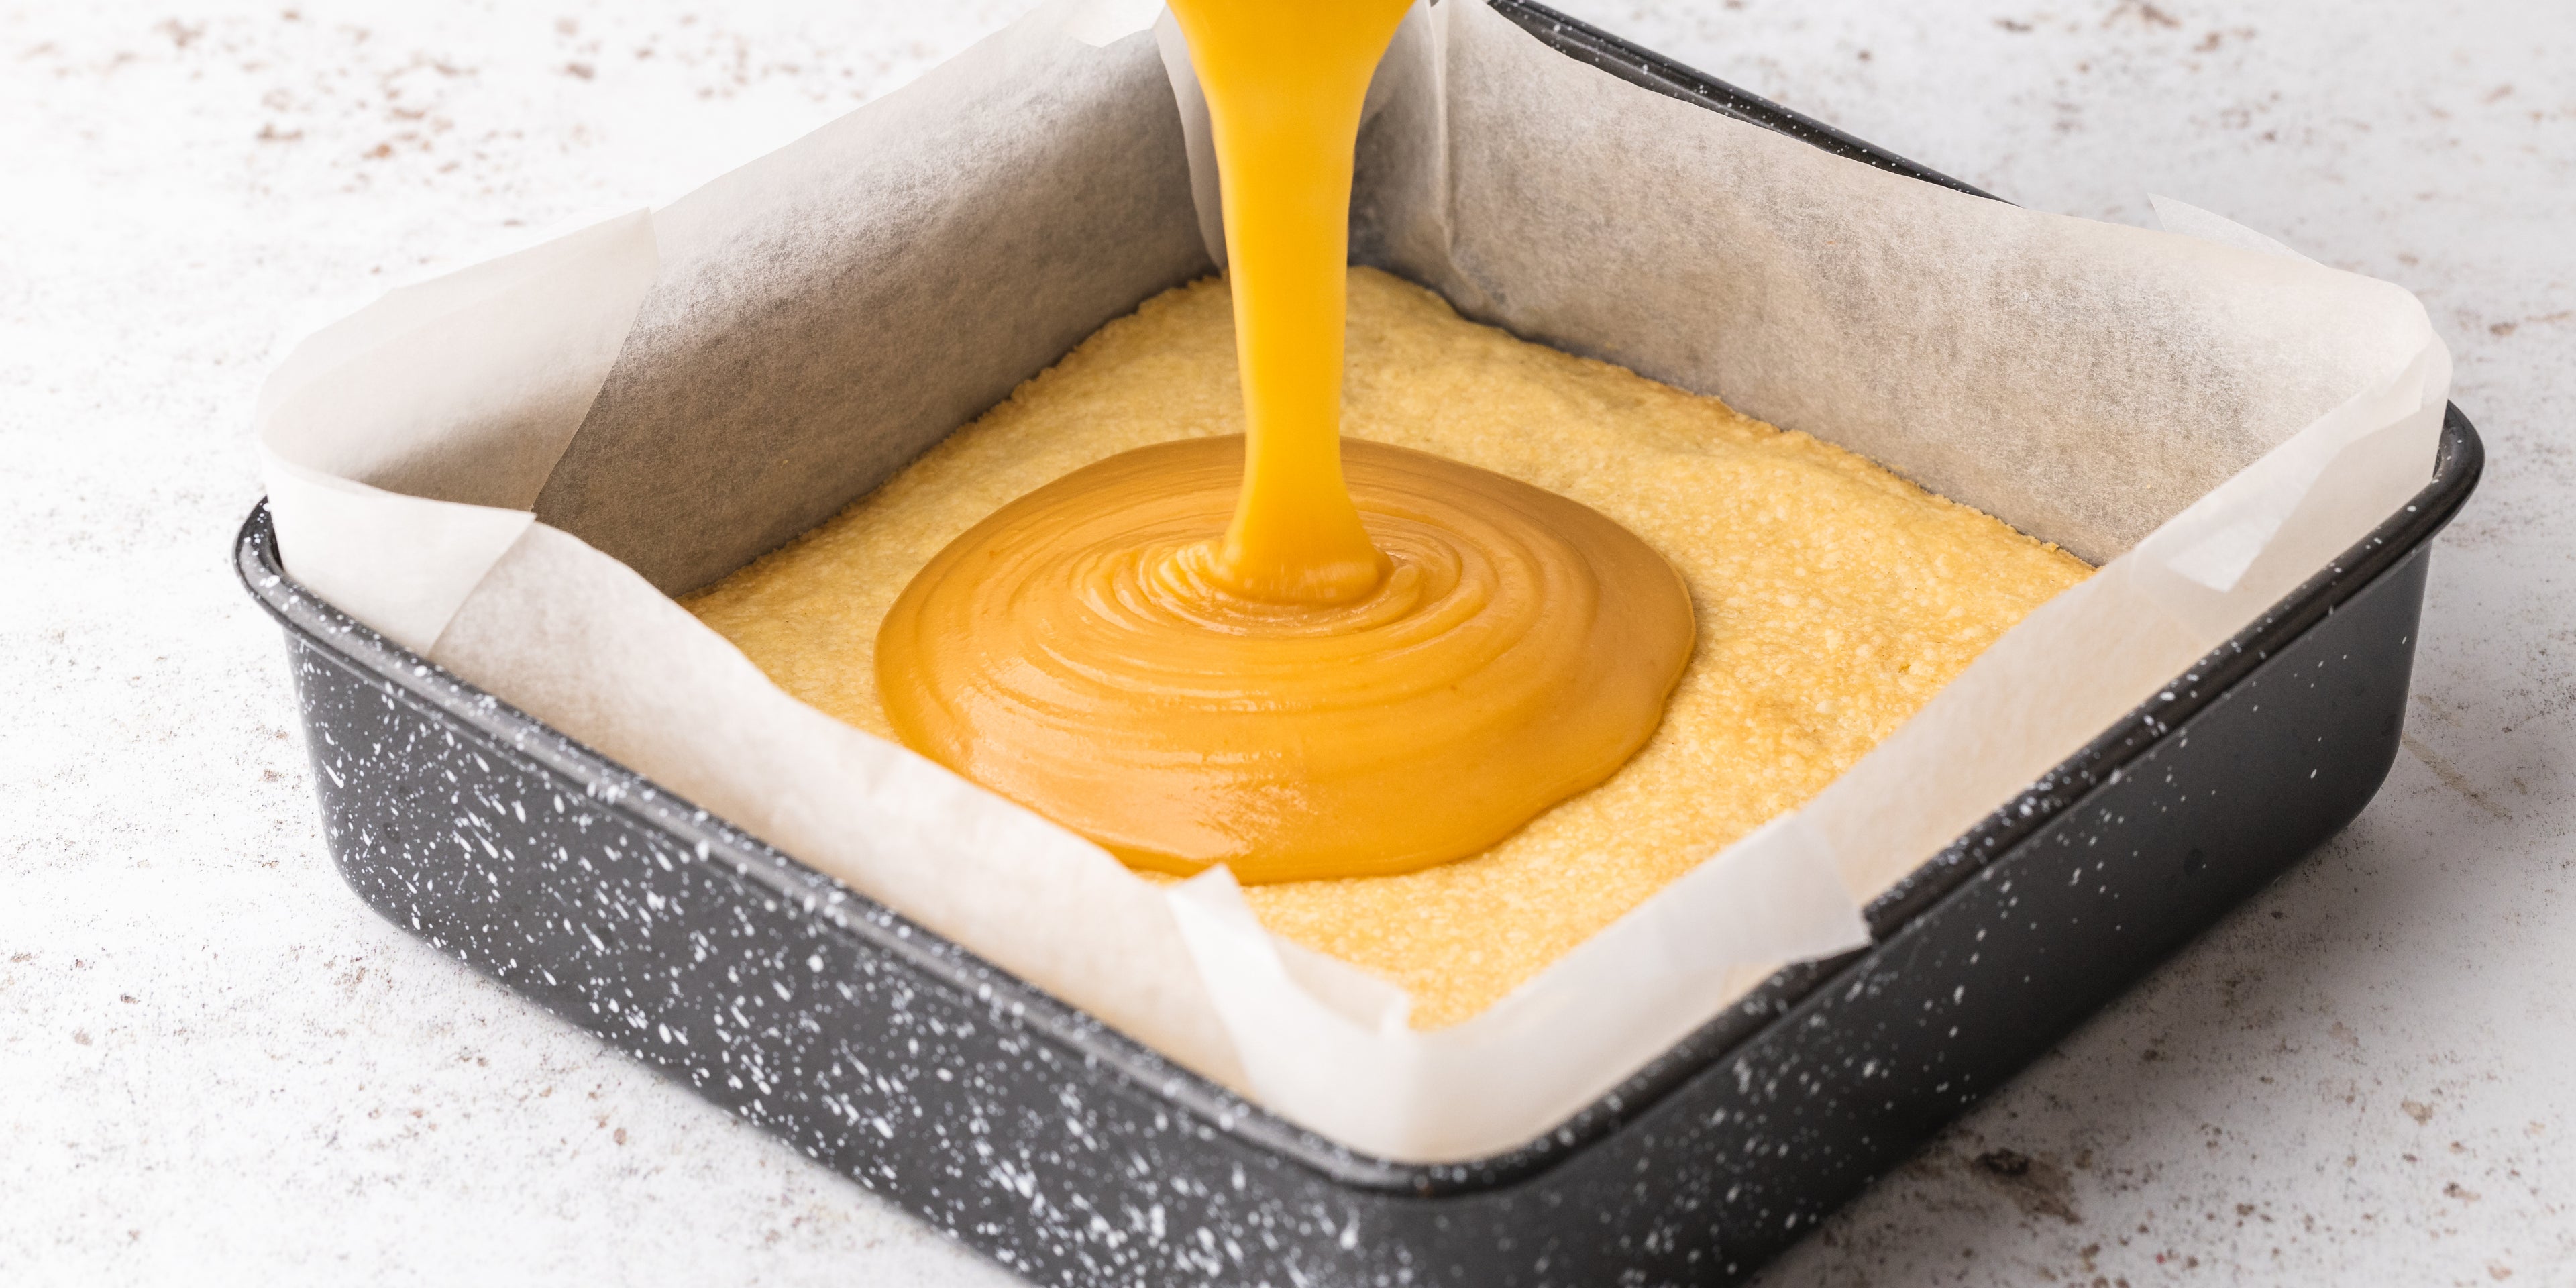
(1025, 1129)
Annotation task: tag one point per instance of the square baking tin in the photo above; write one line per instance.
(1062, 1149)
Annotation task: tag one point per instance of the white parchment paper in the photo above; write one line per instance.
(513, 468)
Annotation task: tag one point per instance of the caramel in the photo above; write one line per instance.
(1296, 659)
(1119, 688)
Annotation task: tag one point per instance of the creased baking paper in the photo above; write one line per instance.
(515, 467)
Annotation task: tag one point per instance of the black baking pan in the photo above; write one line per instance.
(1062, 1149)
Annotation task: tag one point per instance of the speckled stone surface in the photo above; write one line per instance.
(212, 1056)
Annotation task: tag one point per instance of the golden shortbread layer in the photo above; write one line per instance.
(1833, 599)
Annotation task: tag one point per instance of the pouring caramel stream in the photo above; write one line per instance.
(1299, 657)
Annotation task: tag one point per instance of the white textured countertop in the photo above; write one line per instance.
(214, 1062)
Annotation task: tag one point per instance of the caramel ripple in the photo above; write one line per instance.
(1074, 653)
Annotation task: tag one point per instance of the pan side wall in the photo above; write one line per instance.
(1068, 1172)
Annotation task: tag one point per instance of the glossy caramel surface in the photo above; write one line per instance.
(1075, 652)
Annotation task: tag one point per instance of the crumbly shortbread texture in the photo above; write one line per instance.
(1833, 599)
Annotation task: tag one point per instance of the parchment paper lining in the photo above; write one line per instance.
(513, 468)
